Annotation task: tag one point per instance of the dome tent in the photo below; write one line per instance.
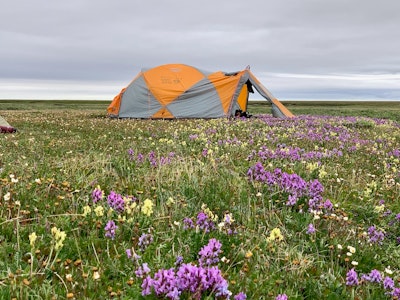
(181, 91)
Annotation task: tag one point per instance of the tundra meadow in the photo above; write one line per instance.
(258, 208)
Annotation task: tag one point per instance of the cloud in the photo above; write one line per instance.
(86, 43)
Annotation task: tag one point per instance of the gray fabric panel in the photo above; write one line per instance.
(137, 101)
(201, 101)
(234, 104)
(3, 122)
(276, 112)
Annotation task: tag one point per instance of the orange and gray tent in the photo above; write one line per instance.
(181, 91)
(5, 127)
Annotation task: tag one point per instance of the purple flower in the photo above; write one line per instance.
(208, 255)
(204, 223)
(240, 296)
(144, 241)
(310, 229)
(142, 271)
(116, 202)
(373, 276)
(328, 205)
(396, 293)
(375, 236)
(351, 278)
(97, 195)
(110, 229)
(388, 283)
(187, 223)
(146, 286)
(281, 297)
(128, 253)
(178, 261)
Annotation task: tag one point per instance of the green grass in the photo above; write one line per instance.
(63, 150)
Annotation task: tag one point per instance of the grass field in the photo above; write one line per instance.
(263, 208)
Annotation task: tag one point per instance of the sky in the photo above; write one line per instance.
(298, 49)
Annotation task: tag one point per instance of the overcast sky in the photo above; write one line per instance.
(299, 49)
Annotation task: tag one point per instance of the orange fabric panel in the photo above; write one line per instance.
(225, 87)
(167, 82)
(283, 108)
(163, 113)
(113, 108)
(243, 98)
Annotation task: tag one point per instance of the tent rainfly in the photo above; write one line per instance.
(5, 127)
(181, 91)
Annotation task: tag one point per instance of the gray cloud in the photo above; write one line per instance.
(82, 43)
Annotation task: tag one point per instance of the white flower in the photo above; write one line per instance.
(354, 263)
(96, 275)
(388, 270)
(339, 247)
(351, 249)
(7, 196)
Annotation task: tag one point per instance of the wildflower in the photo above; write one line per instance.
(379, 208)
(86, 210)
(144, 241)
(354, 263)
(204, 223)
(13, 178)
(351, 278)
(395, 293)
(178, 261)
(99, 210)
(7, 196)
(97, 194)
(388, 270)
(38, 181)
(188, 223)
(310, 229)
(351, 249)
(142, 271)
(32, 239)
(373, 276)
(209, 253)
(59, 237)
(96, 275)
(339, 247)
(248, 254)
(116, 201)
(110, 229)
(240, 296)
(375, 236)
(275, 235)
(147, 207)
(388, 283)
(170, 202)
(281, 297)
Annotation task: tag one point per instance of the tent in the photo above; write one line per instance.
(182, 91)
(5, 127)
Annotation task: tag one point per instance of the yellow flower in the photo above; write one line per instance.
(379, 208)
(275, 235)
(170, 201)
(147, 207)
(86, 210)
(59, 237)
(99, 211)
(32, 239)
